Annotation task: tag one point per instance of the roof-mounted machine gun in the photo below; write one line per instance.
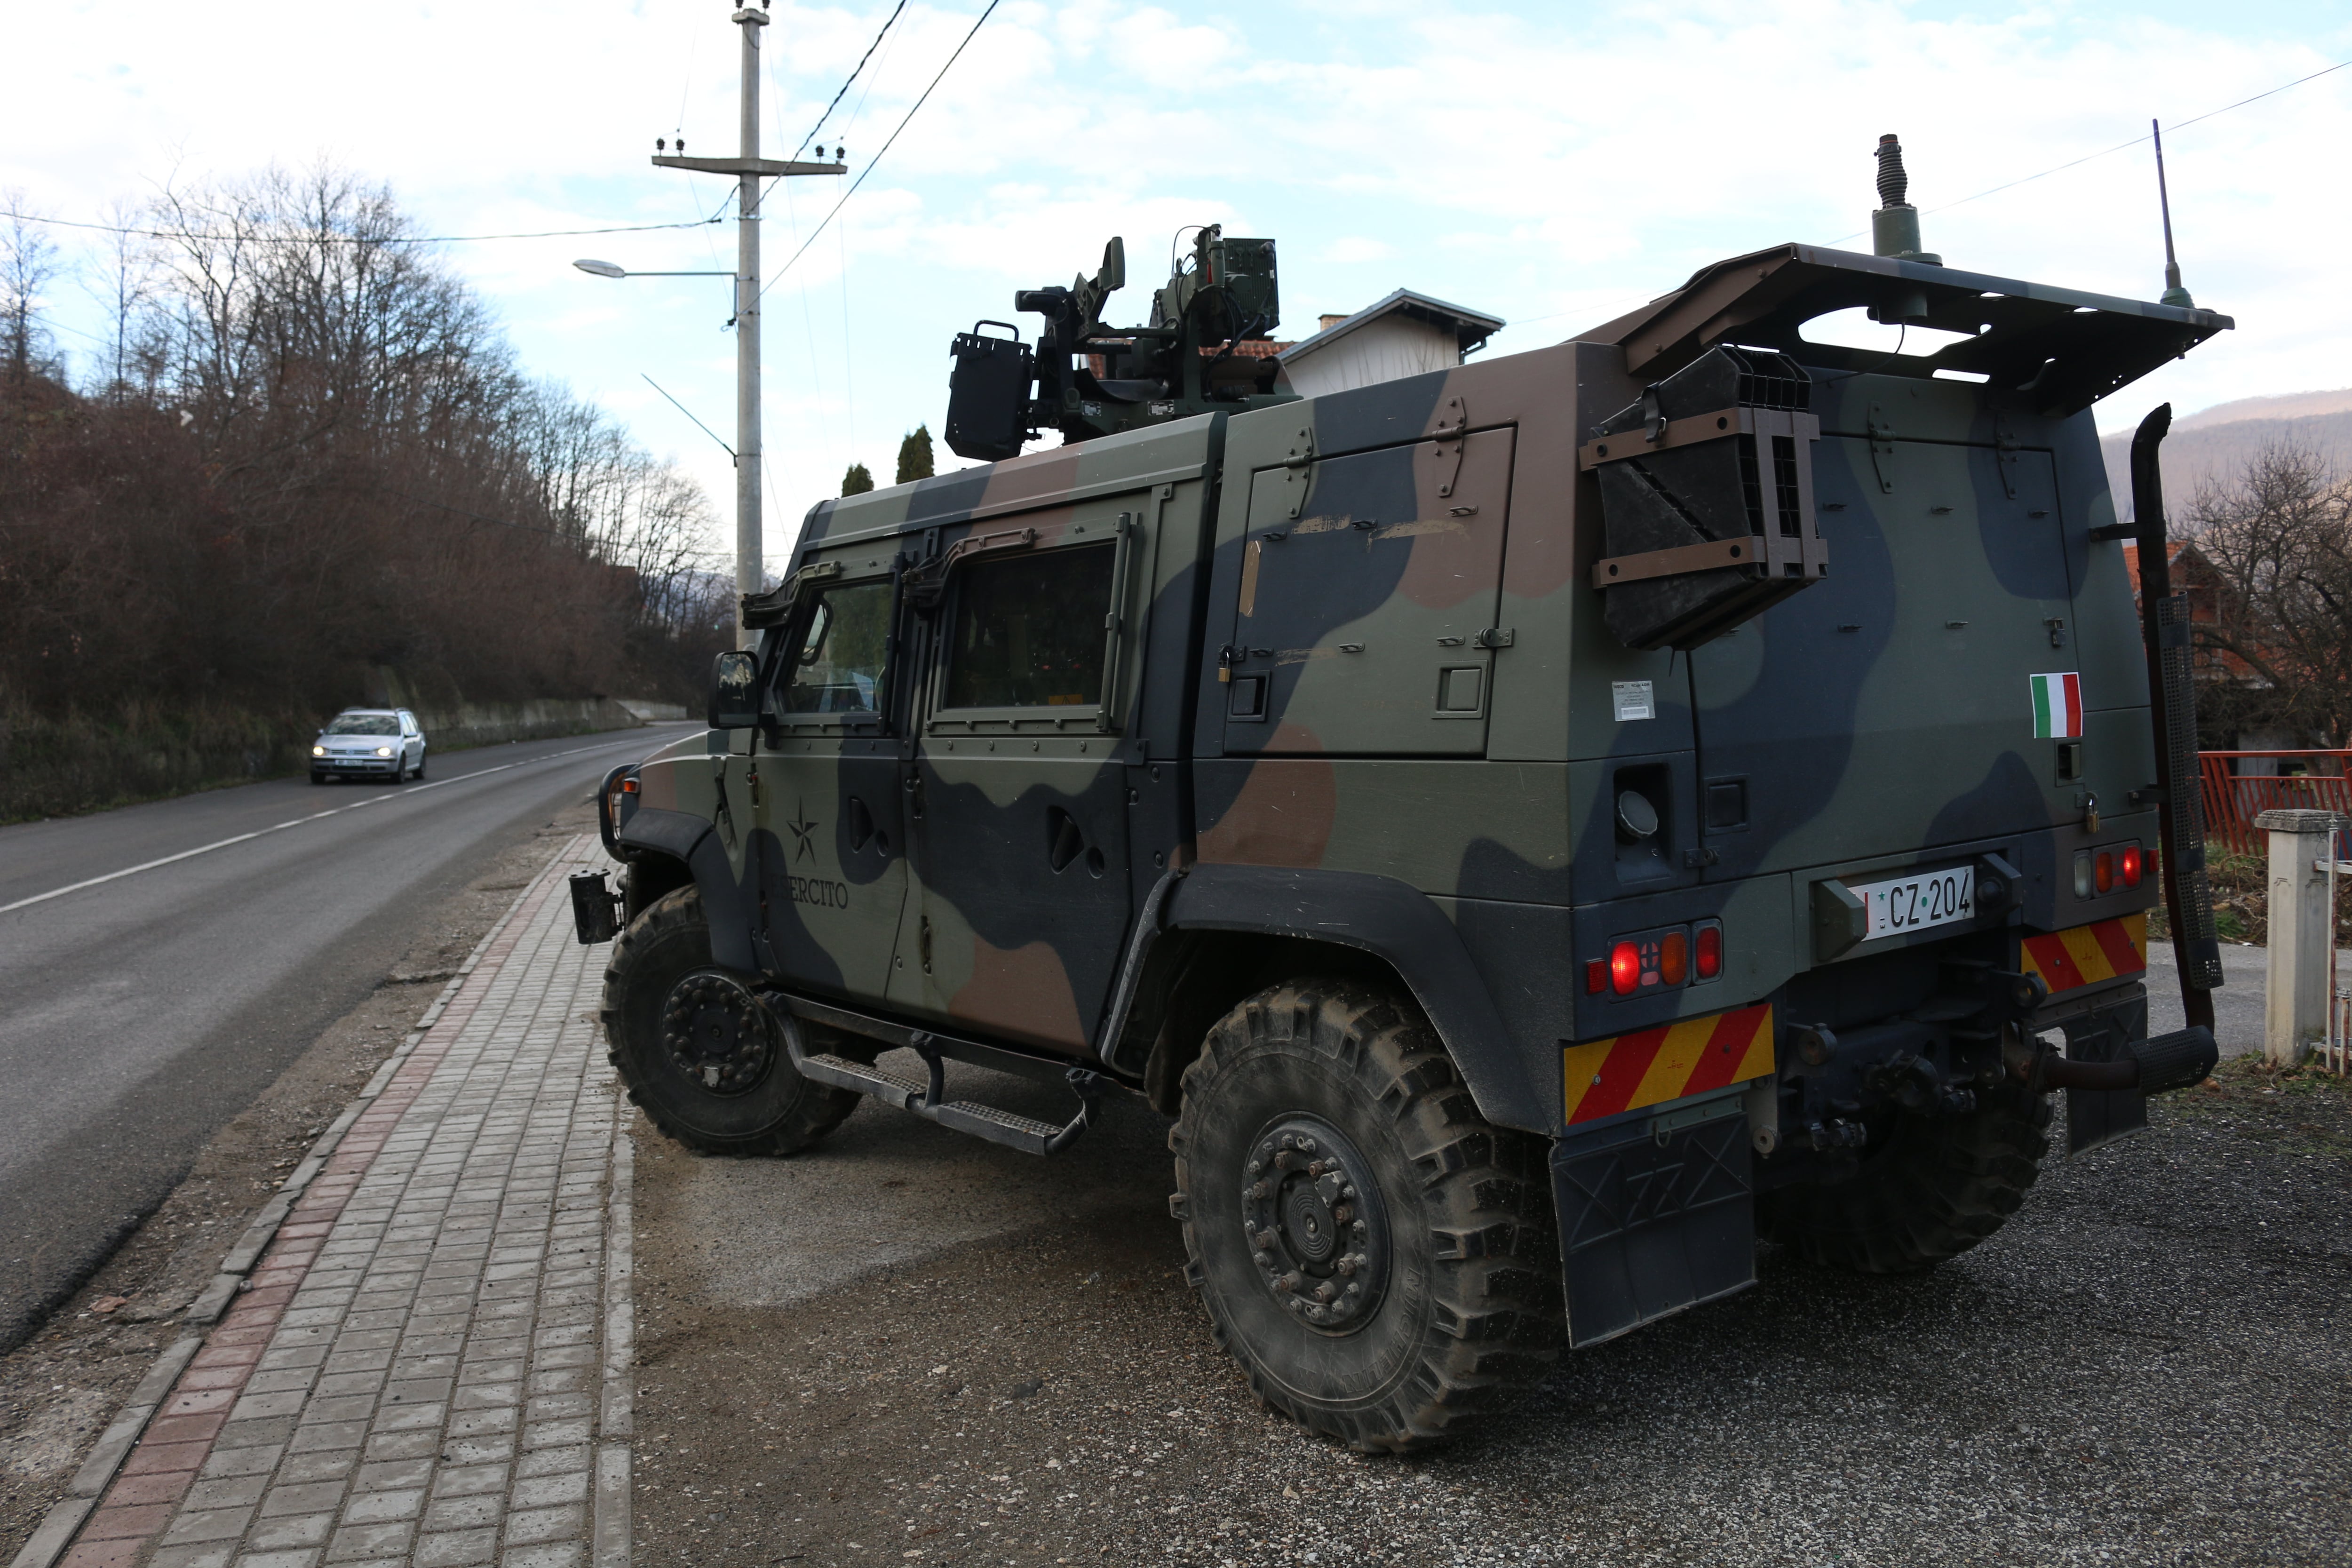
(1091, 380)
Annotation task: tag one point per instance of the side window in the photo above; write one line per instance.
(1029, 630)
(843, 654)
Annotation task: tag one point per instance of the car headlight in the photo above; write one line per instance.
(317, 751)
(384, 750)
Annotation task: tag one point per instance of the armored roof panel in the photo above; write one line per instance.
(2061, 349)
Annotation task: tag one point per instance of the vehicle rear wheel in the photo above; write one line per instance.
(1378, 1258)
(703, 1059)
(420, 767)
(1931, 1188)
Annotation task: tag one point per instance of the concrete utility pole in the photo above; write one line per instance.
(747, 168)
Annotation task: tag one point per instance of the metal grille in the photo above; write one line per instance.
(1752, 484)
(1786, 494)
(1768, 380)
(2201, 942)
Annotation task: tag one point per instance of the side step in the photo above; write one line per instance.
(929, 1099)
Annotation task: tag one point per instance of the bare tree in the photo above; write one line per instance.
(28, 262)
(2279, 541)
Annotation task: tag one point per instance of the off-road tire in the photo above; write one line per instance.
(1468, 1316)
(1930, 1189)
(781, 1113)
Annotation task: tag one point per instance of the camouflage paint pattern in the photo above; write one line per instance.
(1356, 634)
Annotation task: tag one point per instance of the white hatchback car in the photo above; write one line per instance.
(368, 742)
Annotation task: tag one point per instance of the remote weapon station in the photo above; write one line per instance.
(1535, 826)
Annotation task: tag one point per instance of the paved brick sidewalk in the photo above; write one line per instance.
(414, 1372)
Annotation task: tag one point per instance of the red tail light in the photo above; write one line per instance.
(1710, 951)
(2104, 877)
(1625, 968)
(1596, 976)
(1674, 958)
(2131, 865)
(628, 786)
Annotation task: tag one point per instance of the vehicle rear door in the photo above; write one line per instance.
(1888, 707)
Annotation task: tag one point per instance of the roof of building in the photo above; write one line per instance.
(1471, 328)
(2172, 552)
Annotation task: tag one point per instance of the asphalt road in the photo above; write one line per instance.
(160, 965)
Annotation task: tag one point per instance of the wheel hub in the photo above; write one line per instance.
(1313, 1216)
(716, 1032)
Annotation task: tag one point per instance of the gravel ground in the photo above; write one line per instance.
(2151, 1364)
(61, 1386)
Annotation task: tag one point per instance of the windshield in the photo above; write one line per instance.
(364, 724)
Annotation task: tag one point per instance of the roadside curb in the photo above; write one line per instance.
(609, 1543)
(55, 1534)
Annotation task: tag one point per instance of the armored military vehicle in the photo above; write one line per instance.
(1537, 828)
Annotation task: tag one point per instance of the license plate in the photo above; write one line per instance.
(1916, 902)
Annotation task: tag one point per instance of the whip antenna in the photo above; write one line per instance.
(2174, 294)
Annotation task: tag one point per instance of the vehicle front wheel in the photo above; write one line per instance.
(696, 1053)
(318, 778)
(1380, 1258)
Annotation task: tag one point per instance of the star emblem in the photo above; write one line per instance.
(803, 827)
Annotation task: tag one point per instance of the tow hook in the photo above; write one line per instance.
(2158, 1066)
(596, 908)
(1835, 1134)
(1912, 1082)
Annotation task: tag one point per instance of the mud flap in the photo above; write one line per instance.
(2097, 1116)
(1656, 1214)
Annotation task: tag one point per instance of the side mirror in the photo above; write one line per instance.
(1113, 276)
(734, 691)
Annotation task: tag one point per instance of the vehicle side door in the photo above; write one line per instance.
(1018, 796)
(1369, 587)
(828, 851)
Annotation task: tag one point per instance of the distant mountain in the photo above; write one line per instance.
(2216, 442)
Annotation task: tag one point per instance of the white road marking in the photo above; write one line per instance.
(409, 794)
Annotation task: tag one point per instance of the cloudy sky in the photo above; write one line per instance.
(1549, 163)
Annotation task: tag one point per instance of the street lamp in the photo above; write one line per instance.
(614, 270)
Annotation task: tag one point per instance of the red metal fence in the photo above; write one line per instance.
(2317, 781)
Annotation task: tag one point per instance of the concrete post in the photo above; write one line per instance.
(751, 570)
(2301, 930)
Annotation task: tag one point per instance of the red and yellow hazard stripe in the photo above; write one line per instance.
(1652, 1066)
(2085, 955)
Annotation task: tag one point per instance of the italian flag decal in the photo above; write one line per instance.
(2057, 706)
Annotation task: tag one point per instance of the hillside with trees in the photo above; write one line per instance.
(307, 466)
(2217, 445)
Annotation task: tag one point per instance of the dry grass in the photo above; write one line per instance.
(52, 767)
(2241, 884)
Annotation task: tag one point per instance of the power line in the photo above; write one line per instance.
(2119, 147)
(359, 240)
(853, 77)
(1996, 190)
(876, 159)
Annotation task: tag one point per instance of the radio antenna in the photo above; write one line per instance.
(2174, 294)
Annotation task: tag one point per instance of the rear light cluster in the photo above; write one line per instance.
(1657, 960)
(2109, 869)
